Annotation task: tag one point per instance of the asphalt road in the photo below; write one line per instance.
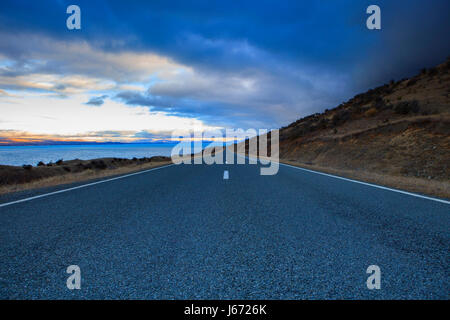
(185, 232)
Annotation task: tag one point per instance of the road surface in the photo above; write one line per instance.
(187, 232)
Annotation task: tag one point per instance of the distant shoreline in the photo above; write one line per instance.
(32, 155)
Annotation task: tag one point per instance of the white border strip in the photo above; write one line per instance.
(82, 186)
(360, 182)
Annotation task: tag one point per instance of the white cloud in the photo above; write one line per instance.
(53, 116)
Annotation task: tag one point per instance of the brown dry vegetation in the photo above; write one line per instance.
(14, 178)
(412, 184)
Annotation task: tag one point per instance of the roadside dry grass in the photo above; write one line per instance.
(13, 179)
(84, 176)
(428, 187)
(412, 184)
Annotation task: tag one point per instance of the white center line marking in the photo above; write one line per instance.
(225, 175)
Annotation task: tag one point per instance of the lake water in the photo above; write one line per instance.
(20, 155)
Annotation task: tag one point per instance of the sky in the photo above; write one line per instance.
(138, 70)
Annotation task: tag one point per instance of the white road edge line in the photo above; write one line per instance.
(82, 186)
(360, 182)
(225, 175)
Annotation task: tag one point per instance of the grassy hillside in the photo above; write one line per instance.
(397, 134)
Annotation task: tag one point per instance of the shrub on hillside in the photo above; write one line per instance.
(371, 112)
(411, 82)
(380, 104)
(98, 164)
(432, 71)
(406, 107)
(340, 117)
